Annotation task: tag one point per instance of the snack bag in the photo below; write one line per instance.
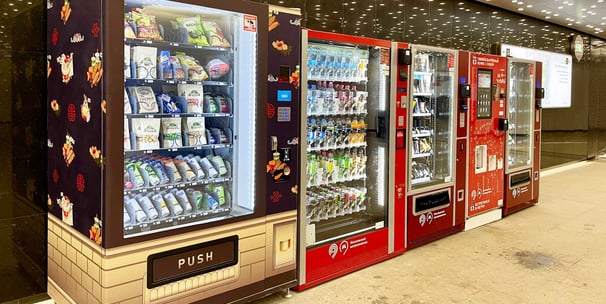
(147, 28)
(195, 32)
(195, 71)
(214, 34)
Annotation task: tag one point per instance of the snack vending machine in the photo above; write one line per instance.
(344, 214)
(163, 199)
(522, 150)
(433, 207)
(483, 121)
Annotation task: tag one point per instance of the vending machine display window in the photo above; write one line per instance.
(188, 100)
(346, 146)
(520, 115)
(431, 118)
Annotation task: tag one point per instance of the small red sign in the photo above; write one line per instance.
(451, 61)
(250, 23)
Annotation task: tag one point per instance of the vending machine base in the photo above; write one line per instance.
(483, 219)
(439, 221)
(79, 271)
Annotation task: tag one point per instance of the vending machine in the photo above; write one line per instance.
(166, 198)
(345, 220)
(433, 206)
(522, 150)
(483, 122)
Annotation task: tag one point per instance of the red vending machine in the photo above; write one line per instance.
(346, 197)
(177, 209)
(401, 58)
(483, 123)
(433, 207)
(522, 149)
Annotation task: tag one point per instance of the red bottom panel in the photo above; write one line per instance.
(518, 197)
(428, 225)
(336, 259)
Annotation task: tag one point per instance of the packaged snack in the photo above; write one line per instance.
(165, 64)
(160, 204)
(145, 99)
(127, 108)
(168, 104)
(126, 135)
(146, 131)
(147, 27)
(171, 132)
(194, 96)
(217, 68)
(147, 206)
(181, 198)
(195, 32)
(127, 73)
(129, 32)
(195, 71)
(145, 61)
(178, 70)
(224, 103)
(134, 209)
(210, 104)
(195, 131)
(214, 34)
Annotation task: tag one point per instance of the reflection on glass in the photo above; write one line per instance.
(431, 117)
(520, 113)
(344, 164)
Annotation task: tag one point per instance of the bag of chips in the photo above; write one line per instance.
(195, 71)
(147, 28)
(214, 34)
(195, 32)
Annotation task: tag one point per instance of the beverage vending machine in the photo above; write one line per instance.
(433, 207)
(344, 215)
(522, 152)
(165, 198)
(483, 121)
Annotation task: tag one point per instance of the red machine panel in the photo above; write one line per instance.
(522, 144)
(486, 133)
(432, 157)
(402, 61)
(347, 218)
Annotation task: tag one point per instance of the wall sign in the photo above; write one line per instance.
(557, 73)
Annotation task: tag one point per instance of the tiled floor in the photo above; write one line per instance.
(550, 253)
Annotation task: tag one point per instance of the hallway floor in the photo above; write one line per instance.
(552, 252)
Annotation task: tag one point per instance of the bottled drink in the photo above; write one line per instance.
(329, 94)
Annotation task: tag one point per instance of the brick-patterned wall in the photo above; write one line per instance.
(80, 271)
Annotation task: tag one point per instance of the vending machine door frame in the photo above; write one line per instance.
(113, 42)
(453, 126)
(376, 253)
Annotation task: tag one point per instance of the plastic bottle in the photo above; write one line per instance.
(353, 99)
(329, 95)
(320, 101)
(311, 99)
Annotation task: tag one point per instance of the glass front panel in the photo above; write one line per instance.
(520, 105)
(347, 140)
(431, 118)
(188, 101)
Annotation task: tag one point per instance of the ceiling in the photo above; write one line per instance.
(587, 16)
